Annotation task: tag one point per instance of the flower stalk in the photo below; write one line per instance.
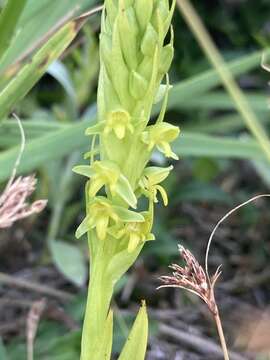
(134, 60)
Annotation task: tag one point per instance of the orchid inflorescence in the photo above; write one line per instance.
(134, 60)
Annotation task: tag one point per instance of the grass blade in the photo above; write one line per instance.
(8, 19)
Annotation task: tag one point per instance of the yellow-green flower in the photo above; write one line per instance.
(102, 214)
(137, 232)
(118, 121)
(161, 135)
(152, 177)
(106, 173)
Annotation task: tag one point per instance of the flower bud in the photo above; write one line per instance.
(143, 9)
(137, 85)
(128, 33)
(166, 58)
(149, 41)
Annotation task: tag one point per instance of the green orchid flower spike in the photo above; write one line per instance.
(134, 62)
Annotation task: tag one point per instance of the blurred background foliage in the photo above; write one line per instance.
(220, 165)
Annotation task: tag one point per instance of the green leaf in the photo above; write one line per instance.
(3, 353)
(136, 344)
(27, 74)
(84, 170)
(190, 89)
(69, 261)
(105, 346)
(221, 100)
(38, 22)
(192, 144)
(9, 17)
(124, 189)
(43, 149)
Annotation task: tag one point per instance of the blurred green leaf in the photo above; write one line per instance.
(25, 75)
(197, 191)
(205, 169)
(38, 22)
(192, 144)
(3, 353)
(70, 261)
(9, 17)
(187, 91)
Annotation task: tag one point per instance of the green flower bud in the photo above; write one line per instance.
(143, 9)
(111, 11)
(128, 34)
(149, 42)
(167, 54)
(137, 85)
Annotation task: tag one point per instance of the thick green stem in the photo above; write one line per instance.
(99, 297)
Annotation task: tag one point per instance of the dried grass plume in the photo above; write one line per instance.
(14, 203)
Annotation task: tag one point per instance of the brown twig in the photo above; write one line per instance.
(198, 343)
(32, 286)
(32, 322)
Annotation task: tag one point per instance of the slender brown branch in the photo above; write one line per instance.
(198, 343)
(221, 336)
(35, 287)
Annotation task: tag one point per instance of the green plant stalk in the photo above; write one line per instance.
(134, 61)
(214, 56)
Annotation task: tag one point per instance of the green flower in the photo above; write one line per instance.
(161, 135)
(102, 213)
(152, 177)
(137, 232)
(106, 173)
(118, 121)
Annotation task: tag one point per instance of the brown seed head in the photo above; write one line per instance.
(192, 277)
(13, 201)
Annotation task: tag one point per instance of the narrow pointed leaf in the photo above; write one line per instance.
(9, 17)
(27, 74)
(135, 346)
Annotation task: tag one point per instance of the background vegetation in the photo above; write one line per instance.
(220, 165)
